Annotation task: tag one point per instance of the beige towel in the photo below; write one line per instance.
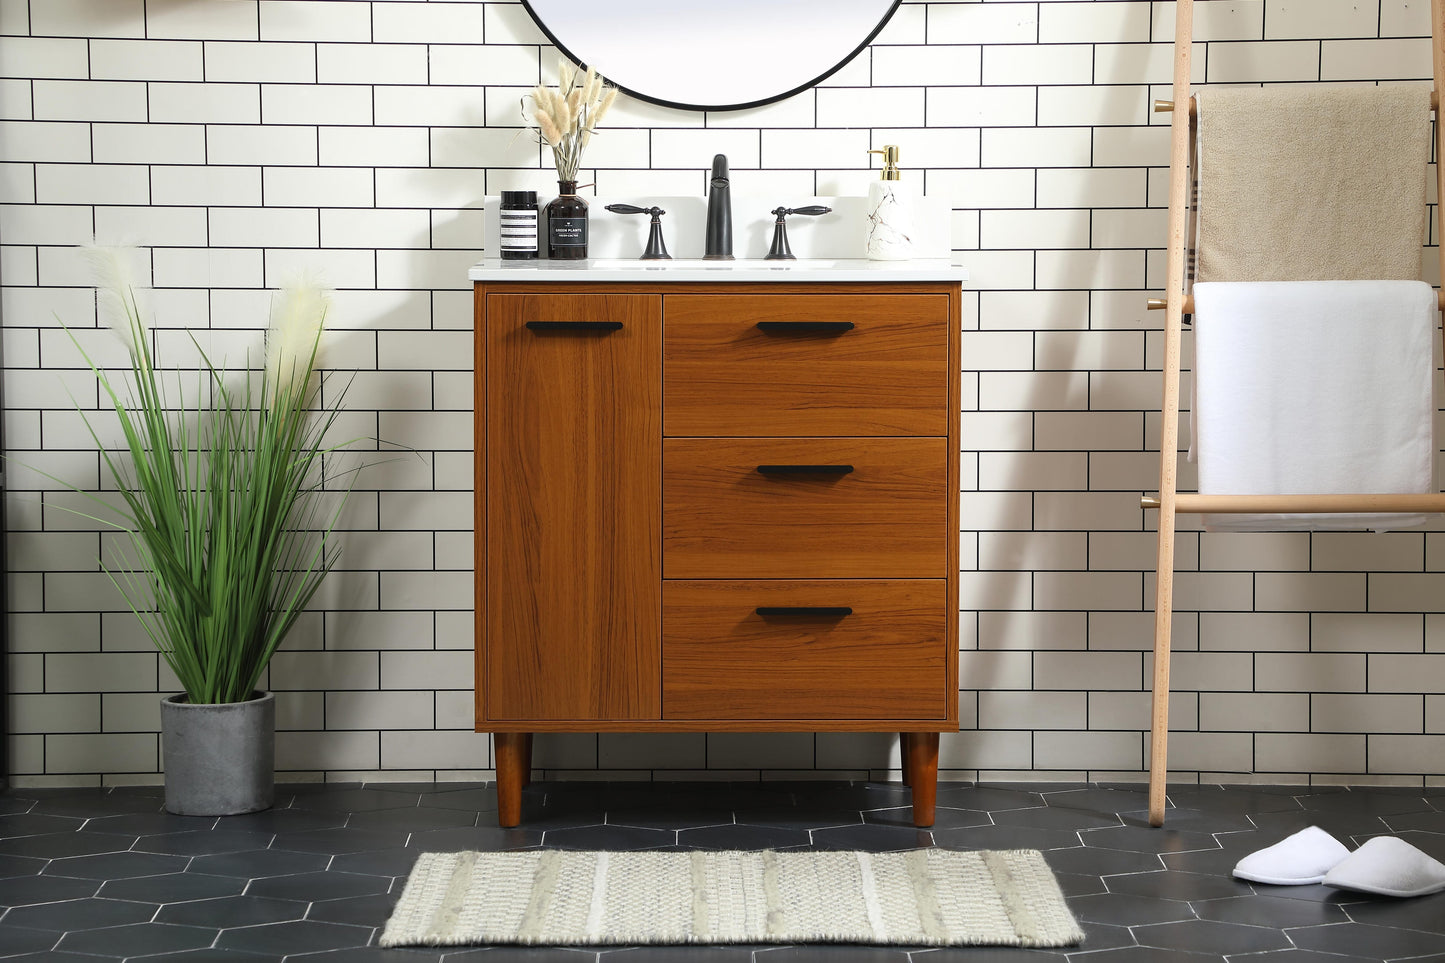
(1312, 182)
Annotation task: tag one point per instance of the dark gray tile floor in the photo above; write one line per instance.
(107, 875)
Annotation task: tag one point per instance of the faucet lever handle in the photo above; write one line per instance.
(633, 209)
(812, 209)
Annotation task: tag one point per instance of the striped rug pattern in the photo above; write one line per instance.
(924, 897)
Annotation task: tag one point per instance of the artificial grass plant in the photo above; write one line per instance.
(226, 504)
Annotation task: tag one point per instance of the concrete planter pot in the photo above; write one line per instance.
(220, 760)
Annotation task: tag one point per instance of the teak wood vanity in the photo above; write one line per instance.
(717, 499)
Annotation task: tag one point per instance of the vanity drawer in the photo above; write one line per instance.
(885, 659)
(802, 364)
(805, 507)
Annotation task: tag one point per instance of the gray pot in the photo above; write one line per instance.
(220, 760)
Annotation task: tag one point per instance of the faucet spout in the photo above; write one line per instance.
(719, 213)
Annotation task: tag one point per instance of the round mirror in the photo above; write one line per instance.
(712, 56)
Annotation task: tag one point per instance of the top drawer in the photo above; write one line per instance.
(805, 364)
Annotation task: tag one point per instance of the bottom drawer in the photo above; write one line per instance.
(885, 659)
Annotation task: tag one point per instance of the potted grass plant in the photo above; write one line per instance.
(226, 506)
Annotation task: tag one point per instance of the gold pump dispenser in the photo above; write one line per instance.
(890, 162)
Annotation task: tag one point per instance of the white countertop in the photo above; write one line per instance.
(633, 270)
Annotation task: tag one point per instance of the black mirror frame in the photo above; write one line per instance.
(883, 22)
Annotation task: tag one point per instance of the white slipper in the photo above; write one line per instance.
(1295, 860)
(1390, 867)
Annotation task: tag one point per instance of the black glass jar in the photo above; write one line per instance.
(567, 224)
(517, 225)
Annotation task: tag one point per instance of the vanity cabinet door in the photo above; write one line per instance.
(573, 435)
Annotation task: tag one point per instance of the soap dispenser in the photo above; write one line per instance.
(890, 214)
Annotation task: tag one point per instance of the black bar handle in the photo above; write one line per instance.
(574, 325)
(805, 327)
(805, 469)
(817, 611)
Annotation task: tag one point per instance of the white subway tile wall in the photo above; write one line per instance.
(242, 140)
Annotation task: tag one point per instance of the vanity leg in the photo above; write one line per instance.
(905, 740)
(511, 755)
(527, 760)
(923, 769)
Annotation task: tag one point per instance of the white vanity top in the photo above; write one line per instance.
(803, 269)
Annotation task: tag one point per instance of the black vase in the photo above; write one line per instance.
(567, 224)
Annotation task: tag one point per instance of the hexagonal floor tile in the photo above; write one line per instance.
(1006, 837)
(487, 839)
(988, 798)
(303, 936)
(287, 821)
(476, 800)
(1266, 910)
(413, 819)
(803, 817)
(172, 887)
(944, 817)
(116, 865)
(146, 824)
(1122, 909)
(58, 845)
(1423, 913)
(337, 841)
(356, 910)
(1100, 800)
(80, 914)
(872, 838)
(33, 824)
(1172, 885)
(1142, 839)
(1211, 936)
(608, 837)
(1371, 942)
(259, 864)
(232, 911)
(137, 939)
(94, 802)
(309, 887)
(381, 862)
(20, 865)
(26, 890)
(666, 819)
(203, 842)
(352, 800)
(742, 837)
(1056, 817)
(1365, 801)
(18, 939)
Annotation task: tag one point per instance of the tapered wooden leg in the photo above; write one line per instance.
(904, 740)
(527, 760)
(923, 770)
(511, 756)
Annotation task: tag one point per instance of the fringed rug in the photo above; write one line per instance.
(925, 897)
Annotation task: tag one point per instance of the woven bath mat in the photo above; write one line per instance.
(925, 897)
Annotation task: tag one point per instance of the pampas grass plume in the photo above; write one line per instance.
(293, 340)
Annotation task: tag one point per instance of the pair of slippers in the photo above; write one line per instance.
(1383, 865)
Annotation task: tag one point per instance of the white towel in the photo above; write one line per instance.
(1313, 387)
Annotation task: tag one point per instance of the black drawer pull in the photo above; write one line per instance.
(574, 325)
(805, 469)
(805, 327)
(816, 611)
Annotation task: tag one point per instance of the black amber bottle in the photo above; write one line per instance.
(567, 224)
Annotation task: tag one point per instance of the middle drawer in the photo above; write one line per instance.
(804, 507)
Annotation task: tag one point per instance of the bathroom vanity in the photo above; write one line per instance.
(717, 496)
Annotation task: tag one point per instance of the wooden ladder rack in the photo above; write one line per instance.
(1175, 305)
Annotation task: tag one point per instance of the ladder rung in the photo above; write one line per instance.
(1159, 304)
(1195, 503)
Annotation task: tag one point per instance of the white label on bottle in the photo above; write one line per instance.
(518, 229)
